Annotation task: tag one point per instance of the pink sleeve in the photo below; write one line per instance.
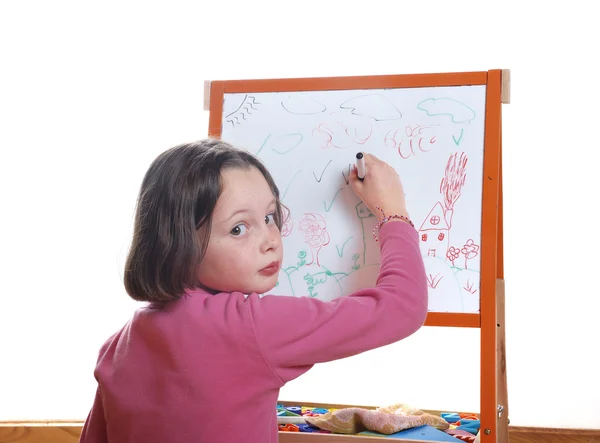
(296, 332)
(94, 429)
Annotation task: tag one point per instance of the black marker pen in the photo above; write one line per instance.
(360, 165)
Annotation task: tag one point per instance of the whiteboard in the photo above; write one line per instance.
(433, 137)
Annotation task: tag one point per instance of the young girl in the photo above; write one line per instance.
(205, 360)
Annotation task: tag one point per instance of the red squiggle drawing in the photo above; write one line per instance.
(314, 229)
(342, 131)
(288, 223)
(415, 139)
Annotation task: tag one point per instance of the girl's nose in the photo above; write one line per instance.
(271, 239)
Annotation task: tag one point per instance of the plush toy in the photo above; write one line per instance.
(385, 420)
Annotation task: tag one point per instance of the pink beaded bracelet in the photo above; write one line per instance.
(388, 218)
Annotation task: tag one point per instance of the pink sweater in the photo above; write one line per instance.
(208, 368)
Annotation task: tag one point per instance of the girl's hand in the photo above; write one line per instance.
(381, 187)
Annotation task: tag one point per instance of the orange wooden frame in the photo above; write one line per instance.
(491, 225)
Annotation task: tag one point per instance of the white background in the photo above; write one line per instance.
(91, 93)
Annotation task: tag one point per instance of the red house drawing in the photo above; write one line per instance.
(434, 233)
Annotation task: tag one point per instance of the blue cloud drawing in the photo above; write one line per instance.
(459, 112)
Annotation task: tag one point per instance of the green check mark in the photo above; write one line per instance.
(340, 253)
(331, 204)
(457, 142)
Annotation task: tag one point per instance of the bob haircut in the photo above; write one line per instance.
(177, 197)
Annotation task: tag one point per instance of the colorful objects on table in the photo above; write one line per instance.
(419, 433)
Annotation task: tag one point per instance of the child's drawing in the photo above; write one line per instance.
(288, 223)
(435, 229)
(322, 172)
(469, 250)
(434, 232)
(346, 174)
(470, 287)
(412, 139)
(302, 104)
(284, 143)
(342, 130)
(289, 184)
(457, 111)
(314, 229)
(248, 106)
(327, 206)
(281, 144)
(444, 285)
(453, 182)
(434, 280)
(317, 281)
(457, 139)
(370, 250)
(453, 254)
(309, 140)
(445, 277)
(374, 106)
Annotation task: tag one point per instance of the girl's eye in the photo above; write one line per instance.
(270, 218)
(238, 230)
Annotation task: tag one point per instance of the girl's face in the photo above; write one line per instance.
(244, 251)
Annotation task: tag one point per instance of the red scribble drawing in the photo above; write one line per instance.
(452, 254)
(453, 181)
(435, 230)
(314, 229)
(342, 131)
(288, 223)
(415, 139)
(469, 287)
(434, 281)
(470, 250)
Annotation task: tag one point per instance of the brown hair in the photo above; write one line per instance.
(177, 197)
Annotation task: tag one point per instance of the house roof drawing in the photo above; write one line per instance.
(435, 220)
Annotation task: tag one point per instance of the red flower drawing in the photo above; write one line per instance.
(470, 250)
(314, 229)
(452, 254)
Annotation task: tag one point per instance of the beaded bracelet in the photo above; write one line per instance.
(388, 218)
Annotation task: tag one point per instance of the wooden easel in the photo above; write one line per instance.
(490, 319)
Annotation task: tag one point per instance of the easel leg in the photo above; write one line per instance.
(494, 404)
(501, 384)
(502, 388)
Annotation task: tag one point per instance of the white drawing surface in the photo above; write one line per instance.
(434, 137)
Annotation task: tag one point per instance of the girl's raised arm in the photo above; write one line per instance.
(294, 333)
